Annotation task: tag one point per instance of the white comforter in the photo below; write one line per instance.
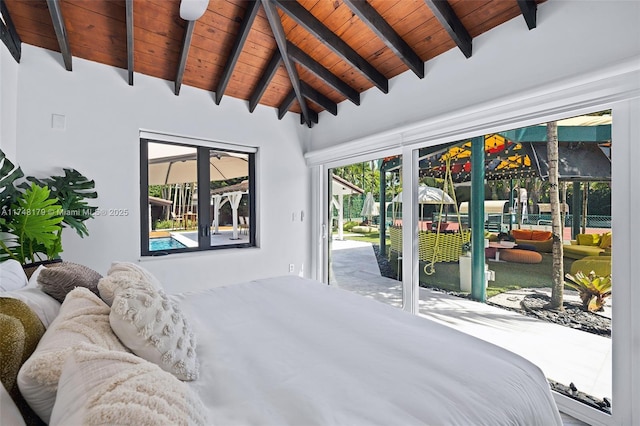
(290, 351)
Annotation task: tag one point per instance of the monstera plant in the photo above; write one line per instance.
(34, 211)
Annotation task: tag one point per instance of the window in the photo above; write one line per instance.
(196, 197)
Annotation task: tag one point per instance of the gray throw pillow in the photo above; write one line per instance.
(65, 276)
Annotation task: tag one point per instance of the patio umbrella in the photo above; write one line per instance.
(428, 195)
(169, 164)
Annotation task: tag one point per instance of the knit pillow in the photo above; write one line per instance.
(100, 387)
(66, 276)
(83, 317)
(123, 275)
(153, 327)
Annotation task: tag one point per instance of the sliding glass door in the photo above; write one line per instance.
(365, 213)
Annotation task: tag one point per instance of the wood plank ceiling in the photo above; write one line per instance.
(303, 56)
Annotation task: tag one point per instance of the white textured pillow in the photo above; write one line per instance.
(153, 327)
(83, 317)
(109, 387)
(123, 275)
(12, 276)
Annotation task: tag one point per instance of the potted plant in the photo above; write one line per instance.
(34, 211)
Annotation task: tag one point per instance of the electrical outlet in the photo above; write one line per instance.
(291, 267)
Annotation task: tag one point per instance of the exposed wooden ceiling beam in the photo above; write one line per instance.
(314, 117)
(452, 24)
(8, 33)
(314, 96)
(281, 41)
(265, 79)
(129, 19)
(300, 57)
(61, 32)
(529, 9)
(286, 104)
(238, 43)
(387, 34)
(304, 18)
(184, 54)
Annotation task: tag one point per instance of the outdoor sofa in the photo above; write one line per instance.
(284, 350)
(541, 240)
(588, 245)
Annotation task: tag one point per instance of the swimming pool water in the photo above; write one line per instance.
(164, 243)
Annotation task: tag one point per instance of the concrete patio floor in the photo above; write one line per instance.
(565, 355)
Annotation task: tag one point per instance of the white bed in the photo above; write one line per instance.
(291, 351)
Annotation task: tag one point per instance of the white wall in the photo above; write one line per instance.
(103, 118)
(571, 38)
(8, 102)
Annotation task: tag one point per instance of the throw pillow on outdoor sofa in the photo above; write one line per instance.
(605, 240)
(521, 234)
(588, 239)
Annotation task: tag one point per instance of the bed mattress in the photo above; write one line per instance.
(292, 351)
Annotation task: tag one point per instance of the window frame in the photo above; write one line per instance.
(203, 209)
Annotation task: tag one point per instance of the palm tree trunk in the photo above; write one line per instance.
(557, 272)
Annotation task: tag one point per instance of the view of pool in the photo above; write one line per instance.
(164, 243)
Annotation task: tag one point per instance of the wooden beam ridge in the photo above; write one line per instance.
(387, 34)
(281, 41)
(304, 18)
(184, 54)
(314, 118)
(452, 24)
(286, 104)
(529, 10)
(300, 57)
(8, 33)
(61, 32)
(238, 43)
(320, 99)
(265, 79)
(129, 19)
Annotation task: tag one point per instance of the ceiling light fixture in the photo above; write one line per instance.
(191, 10)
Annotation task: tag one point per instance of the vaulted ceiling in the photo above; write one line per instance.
(303, 56)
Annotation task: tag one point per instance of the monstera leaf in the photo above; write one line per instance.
(72, 190)
(34, 226)
(9, 173)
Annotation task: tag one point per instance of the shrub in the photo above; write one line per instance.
(348, 226)
(593, 289)
(164, 224)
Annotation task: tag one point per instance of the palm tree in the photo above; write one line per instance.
(557, 273)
